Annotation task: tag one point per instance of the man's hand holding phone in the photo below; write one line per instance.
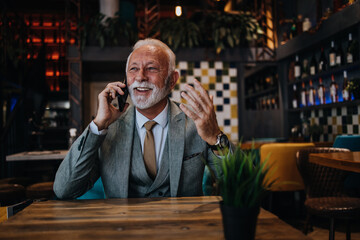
(107, 113)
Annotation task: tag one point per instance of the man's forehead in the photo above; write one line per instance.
(153, 52)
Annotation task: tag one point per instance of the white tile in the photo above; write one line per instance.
(218, 101)
(183, 65)
(204, 79)
(355, 119)
(234, 122)
(321, 113)
(233, 101)
(227, 129)
(334, 129)
(312, 114)
(349, 129)
(329, 120)
(343, 111)
(232, 72)
(219, 86)
(197, 72)
(233, 86)
(226, 93)
(333, 112)
(338, 120)
(225, 79)
(211, 72)
(204, 65)
(218, 65)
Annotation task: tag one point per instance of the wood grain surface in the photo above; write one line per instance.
(348, 161)
(152, 218)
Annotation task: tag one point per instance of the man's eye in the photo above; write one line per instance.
(153, 69)
(133, 69)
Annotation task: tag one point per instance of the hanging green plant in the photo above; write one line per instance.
(230, 30)
(178, 32)
(105, 31)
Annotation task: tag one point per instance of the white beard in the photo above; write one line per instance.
(142, 102)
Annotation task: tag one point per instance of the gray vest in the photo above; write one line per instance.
(140, 184)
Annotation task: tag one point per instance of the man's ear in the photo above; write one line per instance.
(173, 79)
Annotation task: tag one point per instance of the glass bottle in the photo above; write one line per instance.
(333, 90)
(345, 91)
(339, 56)
(332, 55)
(303, 95)
(297, 68)
(322, 61)
(313, 65)
(311, 94)
(349, 54)
(295, 100)
(321, 92)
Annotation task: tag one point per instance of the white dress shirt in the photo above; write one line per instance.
(160, 131)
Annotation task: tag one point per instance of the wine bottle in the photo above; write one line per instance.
(345, 91)
(333, 90)
(321, 92)
(311, 94)
(322, 61)
(297, 68)
(305, 68)
(313, 67)
(303, 95)
(332, 55)
(295, 98)
(339, 56)
(349, 54)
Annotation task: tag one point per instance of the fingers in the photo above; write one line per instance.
(199, 100)
(112, 89)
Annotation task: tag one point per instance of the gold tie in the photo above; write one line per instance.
(149, 150)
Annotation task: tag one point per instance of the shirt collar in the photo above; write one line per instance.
(161, 119)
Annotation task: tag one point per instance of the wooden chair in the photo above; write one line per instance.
(324, 191)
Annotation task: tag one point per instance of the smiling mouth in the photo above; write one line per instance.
(142, 89)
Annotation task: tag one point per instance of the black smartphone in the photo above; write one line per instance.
(122, 98)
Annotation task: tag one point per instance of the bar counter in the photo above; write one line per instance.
(150, 218)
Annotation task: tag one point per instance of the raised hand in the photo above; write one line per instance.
(107, 113)
(201, 110)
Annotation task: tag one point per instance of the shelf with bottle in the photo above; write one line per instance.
(324, 92)
(333, 61)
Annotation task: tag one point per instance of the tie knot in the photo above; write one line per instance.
(149, 125)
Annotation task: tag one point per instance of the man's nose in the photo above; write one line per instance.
(141, 76)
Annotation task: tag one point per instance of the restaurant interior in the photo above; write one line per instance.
(284, 76)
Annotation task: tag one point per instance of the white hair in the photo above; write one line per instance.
(156, 43)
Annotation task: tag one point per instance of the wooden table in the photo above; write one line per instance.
(348, 161)
(37, 155)
(151, 218)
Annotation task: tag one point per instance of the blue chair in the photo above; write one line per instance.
(97, 192)
(351, 142)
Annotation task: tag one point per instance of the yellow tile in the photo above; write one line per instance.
(233, 93)
(339, 129)
(204, 72)
(333, 120)
(234, 111)
(212, 79)
(205, 86)
(312, 121)
(234, 129)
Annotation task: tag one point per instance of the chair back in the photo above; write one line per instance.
(282, 158)
(96, 192)
(351, 142)
(320, 181)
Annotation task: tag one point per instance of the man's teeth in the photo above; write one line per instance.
(142, 89)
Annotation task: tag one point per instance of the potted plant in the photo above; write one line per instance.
(315, 131)
(354, 87)
(242, 185)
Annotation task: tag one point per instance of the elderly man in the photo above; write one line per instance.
(154, 148)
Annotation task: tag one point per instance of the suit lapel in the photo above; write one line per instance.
(124, 146)
(176, 136)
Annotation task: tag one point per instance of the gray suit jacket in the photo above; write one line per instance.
(109, 156)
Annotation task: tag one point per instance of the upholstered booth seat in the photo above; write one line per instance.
(282, 159)
(43, 190)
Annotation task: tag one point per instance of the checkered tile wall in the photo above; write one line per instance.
(220, 80)
(335, 121)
